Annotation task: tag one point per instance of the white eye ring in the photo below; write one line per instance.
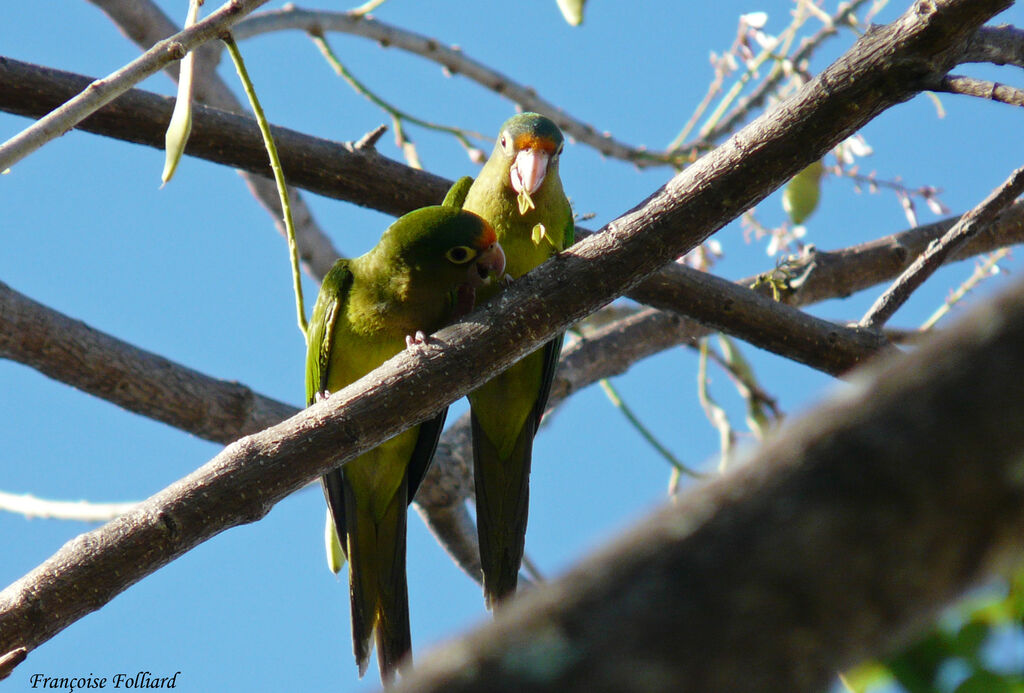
(460, 254)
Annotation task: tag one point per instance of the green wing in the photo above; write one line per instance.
(330, 303)
(456, 196)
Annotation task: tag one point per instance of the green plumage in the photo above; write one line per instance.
(421, 275)
(532, 225)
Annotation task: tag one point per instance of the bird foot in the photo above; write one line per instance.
(412, 340)
(321, 396)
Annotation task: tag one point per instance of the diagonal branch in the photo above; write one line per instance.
(927, 262)
(983, 89)
(342, 171)
(146, 24)
(883, 69)
(103, 91)
(454, 61)
(1000, 45)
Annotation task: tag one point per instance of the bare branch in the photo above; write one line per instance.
(82, 511)
(337, 170)
(145, 24)
(993, 91)
(10, 660)
(454, 61)
(103, 91)
(72, 352)
(1000, 45)
(820, 274)
(927, 262)
(760, 94)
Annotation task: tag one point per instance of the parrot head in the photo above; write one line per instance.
(448, 248)
(530, 144)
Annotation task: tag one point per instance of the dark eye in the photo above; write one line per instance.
(460, 254)
(505, 143)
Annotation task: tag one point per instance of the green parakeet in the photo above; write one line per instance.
(422, 274)
(520, 194)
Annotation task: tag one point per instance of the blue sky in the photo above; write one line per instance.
(197, 273)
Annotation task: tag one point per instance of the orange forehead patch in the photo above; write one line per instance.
(488, 237)
(528, 140)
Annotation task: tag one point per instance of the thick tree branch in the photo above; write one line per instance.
(1000, 45)
(146, 24)
(74, 353)
(884, 68)
(103, 91)
(841, 537)
(821, 275)
(332, 169)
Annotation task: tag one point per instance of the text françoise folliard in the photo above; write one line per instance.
(142, 679)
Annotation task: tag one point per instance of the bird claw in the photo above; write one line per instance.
(412, 340)
(507, 280)
(321, 396)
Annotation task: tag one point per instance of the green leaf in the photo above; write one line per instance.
(800, 198)
(572, 10)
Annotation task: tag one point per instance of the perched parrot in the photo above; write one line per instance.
(520, 194)
(422, 274)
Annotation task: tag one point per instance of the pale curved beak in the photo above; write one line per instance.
(490, 261)
(528, 170)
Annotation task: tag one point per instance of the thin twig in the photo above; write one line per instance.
(455, 62)
(760, 94)
(103, 91)
(933, 258)
(983, 89)
(645, 433)
(396, 113)
(10, 660)
(82, 511)
(716, 415)
(144, 24)
(982, 271)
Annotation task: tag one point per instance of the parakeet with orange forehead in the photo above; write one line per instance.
(519, 192)
(422, 274)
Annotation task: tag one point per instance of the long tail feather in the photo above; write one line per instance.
(502, 502)
(377, 583)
